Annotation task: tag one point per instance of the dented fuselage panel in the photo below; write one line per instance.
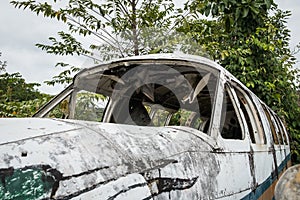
(161, 126)
(88, 155)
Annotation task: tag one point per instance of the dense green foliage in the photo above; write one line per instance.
(253, 45)
(249, 38)
(117, 28)
(2, 64)
(18, 98)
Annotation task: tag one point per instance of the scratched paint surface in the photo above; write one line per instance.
(29, 128)
(130, 187)
(70, 159)
(90, 155)
(25, 184)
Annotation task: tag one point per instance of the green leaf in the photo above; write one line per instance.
(268, 3)
(245, 12)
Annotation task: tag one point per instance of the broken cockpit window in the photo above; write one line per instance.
(147, 93)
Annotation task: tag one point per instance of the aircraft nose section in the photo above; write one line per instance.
(91, 160)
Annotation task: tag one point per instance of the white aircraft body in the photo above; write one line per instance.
(161, 126)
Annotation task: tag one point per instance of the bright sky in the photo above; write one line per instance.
(21, 30)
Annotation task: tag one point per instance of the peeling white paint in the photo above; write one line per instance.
(93, 160)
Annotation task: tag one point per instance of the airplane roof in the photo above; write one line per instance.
(177, 56)
(162, 56)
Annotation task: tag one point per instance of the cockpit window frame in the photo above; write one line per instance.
(194, 66)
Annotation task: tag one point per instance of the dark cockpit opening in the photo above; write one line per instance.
(155, 94)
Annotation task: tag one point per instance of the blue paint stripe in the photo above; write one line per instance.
(267, 183)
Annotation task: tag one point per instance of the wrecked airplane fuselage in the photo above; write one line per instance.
(164, 126)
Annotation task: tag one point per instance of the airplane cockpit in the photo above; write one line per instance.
(151, 94)
(160, 93)
(161, 126)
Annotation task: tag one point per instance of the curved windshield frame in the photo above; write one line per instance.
(154, 94)
(142, 92)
